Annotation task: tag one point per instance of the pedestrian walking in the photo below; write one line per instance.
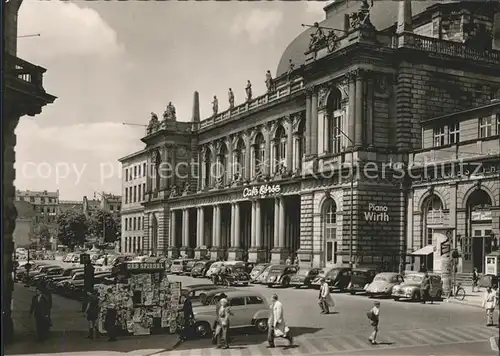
(216, 322)
(40, 310)
(187, 310)
(92, 312)
(88, 282)
(223, 324)
(325, 298)
(48, 295)
(475, 279)
(111, 315)
(489, 304)
(277, 326)
(425, 287)
(373, 315)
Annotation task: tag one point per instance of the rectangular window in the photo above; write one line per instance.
(429, 236)
(134, 223)
(144, 190)
(144, 170)
(439, 136)
(485, 126)
(334, 132)
(498, 124)
(126, 174)
(135, 194)
(454, 133)
(139, 223)
(135, 172)
(138, 171)
(126, 195)
(126, 222)
(139, 193)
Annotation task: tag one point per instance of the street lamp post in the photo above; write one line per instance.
(351, 213)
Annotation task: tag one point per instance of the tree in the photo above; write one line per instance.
(43, 234)
(111, 224)
(72, 228)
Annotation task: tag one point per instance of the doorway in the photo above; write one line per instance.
(481, 246)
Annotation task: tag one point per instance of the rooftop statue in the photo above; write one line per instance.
(230, 95)
(215, 105)
(269, 81)
(248, 90)
(316, 38)
(291, 68)
(169, 113)
(154, 124)
(361, 18)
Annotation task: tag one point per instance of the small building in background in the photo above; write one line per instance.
(25, 224)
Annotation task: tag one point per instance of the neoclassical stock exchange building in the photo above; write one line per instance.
(402, 86)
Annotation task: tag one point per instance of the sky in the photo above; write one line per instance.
(115, 62)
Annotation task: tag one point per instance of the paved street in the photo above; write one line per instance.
(405, 329)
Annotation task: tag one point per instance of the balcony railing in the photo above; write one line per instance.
(280, 92)
(450, 48)
(20, 71)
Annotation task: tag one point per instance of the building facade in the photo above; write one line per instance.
(319, 166)
(25, 224)
(66, 205)
(46, 204)
(134, 172)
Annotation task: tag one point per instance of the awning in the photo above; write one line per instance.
(424, 251)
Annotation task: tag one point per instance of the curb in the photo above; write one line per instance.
(463, 302)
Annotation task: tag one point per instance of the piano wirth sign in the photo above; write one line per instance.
(377, 213)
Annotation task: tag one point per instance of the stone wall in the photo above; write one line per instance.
(425, 91)
(306, 226)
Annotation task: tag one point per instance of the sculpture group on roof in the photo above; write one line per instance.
(361, 18)
(169, 113)
(155, 124)
(319, 40)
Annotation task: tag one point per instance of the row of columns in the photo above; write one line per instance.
(256, 225)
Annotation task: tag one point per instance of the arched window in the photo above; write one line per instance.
(259, 157)
(279, 149)
(239, 159)
(208, 167)
(222, 164)
(330, 231)
(433, 215)
(334, 123)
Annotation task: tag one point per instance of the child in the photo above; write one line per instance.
(373, 315)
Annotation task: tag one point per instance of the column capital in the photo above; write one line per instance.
(309, 90)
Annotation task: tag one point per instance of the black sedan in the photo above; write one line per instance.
(201, 268)
(304, 277)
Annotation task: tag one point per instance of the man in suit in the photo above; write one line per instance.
(40, 309)
(88, 282)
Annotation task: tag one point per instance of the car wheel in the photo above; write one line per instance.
(297, 287)
(203, 329)
(269, 286)
(352, 292)
(396, 298)
(439, 295)
(261, 325)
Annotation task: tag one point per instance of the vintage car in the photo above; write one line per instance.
(383, 283)
(189, 267)
(198, 292)
(280, 275)
(338, 278)
(200, 268)
(261, 278)
(237, 275)
(41, 277)
(249, 266)
(360, 279)
(214, 268)
(410, 288)
(304, 277)
(75, 288)
(212, 296)
(250, 308)
(67, 274)
(257, 270)
(179, 266)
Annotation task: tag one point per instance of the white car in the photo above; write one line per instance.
(249, 309)
(213, 269)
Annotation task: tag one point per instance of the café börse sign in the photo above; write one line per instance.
(377, 213)
(262, 190)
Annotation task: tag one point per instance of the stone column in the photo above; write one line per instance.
(185, 233)
(252, 226)
(308, 121)
(289, 145)
(236, 225)
(202, 226)
(203, 170)
(281, 202)
(231, 234)
(256, 253)
(172, 249)
(359, 111)
(216, 251)
(276, 223)
(369, 112)
(235, 252)
(198, 223)
(258, 225)
(314, 123)
(351, 77)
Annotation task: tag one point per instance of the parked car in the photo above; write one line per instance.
(304, 277)
(179, 266)
(257, 270)
(360, 279)
(237, 275)
(61, 287)
(75, 288)
(200, 268)
(214, 268)
(39, 270)
(383, 283)
(51, 271)
(249, 266)
(336, 277)
(280, 275)
(410, 288)
(67, 273)
(261, 278)
(213, 296)
(198, 292)
(250, 309)
(189, 267)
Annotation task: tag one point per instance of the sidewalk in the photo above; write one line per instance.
(69, 331)
(473, 299)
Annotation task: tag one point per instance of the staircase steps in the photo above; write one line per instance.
(465, 279)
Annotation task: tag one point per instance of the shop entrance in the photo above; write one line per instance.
(481, 246)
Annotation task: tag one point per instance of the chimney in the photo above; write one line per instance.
(196, 108)
(404, 17)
